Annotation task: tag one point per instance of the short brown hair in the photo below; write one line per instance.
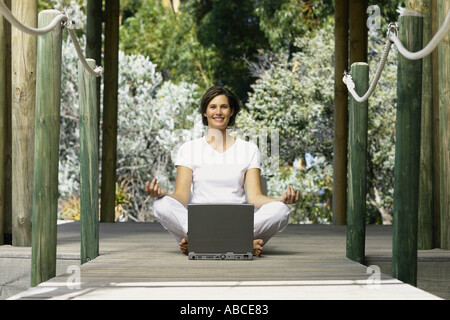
(215, 91)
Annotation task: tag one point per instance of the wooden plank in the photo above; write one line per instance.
(46, 155)
(110, 109)
(357, 191)
(407, 152)
(305, 261)
(23, 107)
(89, 174)
(340, 114)
(444, 126)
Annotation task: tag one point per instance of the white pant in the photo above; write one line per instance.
(271, 218)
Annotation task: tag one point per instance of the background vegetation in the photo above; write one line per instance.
(276, 55)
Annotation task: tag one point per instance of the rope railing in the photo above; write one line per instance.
(393, 38)
(351, 85)
(63, 20)
(430, 46)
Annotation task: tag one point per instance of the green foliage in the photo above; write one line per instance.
(204, 43)
(315, 184)
(283, 21)
(170, 41)
(231, 30)
(60, 4)
(148, 31)
(294, 95)
(151, 119)
(381, 133)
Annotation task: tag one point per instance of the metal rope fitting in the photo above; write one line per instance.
(68, 23)
(392, 29)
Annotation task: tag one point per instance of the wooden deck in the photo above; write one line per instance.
(142, 261)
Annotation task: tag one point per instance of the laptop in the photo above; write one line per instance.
(220, 231)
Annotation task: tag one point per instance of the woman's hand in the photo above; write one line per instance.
(154, 190)
(290, 196)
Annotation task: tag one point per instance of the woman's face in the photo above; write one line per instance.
(218, 113)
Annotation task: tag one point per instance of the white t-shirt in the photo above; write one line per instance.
(218, 177)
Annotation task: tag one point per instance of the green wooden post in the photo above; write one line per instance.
(94, 10)
(426, 223)
(356, 197)
(444, 128)
(87, 86)
(407, 153)
(46, 151)
(2, 127)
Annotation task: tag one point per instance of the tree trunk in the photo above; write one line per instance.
(110, 109)
(340, 114)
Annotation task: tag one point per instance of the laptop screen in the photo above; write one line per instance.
(220, 228)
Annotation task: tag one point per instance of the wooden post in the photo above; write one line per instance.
(94, 30)
(358, 30)
(23, 112)
(87, 86)
(357, 193)
(45, 194)
(7, 147)
(2, 127)
(110, 109)
(425, 224)
(340, 113)
(436, 134)
(444, 125)
(407, 152)
(94, 39)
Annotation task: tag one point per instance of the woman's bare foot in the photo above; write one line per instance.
(184, 246)
(257, 247)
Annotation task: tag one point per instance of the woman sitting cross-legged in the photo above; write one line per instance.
(217, 166)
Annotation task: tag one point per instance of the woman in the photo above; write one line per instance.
(217, 166)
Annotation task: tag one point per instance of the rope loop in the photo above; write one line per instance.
(348, 80)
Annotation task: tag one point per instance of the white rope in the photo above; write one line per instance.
(98, 71)
(351, 85)
(33, 31)
(445, 28)
(392, 37)
(61, 18)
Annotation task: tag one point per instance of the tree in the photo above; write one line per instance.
(169, 39)
(283, 21)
